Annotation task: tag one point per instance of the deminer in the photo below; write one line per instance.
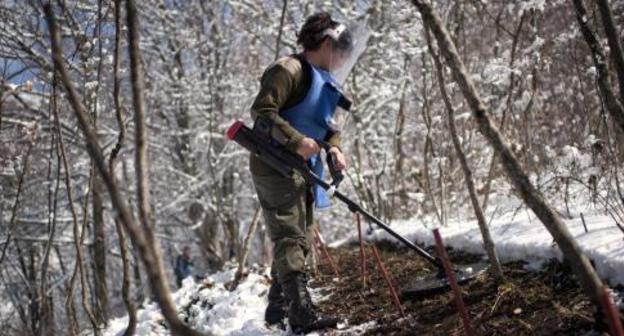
(301, 99)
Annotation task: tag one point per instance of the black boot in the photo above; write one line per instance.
(302, 315)
(276, 309)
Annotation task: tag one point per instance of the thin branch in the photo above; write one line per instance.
(279, 30)
(16, 204)
(488, 242)
(125, 287)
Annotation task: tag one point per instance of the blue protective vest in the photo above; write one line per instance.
(311, 117)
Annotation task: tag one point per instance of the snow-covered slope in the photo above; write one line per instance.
(209, 306)
(524, 237)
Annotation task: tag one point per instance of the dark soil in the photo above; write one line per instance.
(548, 302)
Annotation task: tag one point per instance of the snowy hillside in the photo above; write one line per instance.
(523, 237)
(210, 306)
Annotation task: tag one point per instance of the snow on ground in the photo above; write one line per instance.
(517, 233)
(209, 306)
(522, 237)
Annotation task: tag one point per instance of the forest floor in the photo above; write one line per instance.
(545, 302)
(540, 297)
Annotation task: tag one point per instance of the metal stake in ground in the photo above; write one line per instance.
(362, 251)
(386, 277)
(317, 257)
(614, 319)
(321, 242)
(448, 269)
(584, 224)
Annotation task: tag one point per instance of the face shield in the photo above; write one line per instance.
(348, 44)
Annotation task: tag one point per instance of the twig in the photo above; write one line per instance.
(279, 31)
(245, 250)
(16, 204)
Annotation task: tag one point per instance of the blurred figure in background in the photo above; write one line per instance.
(183, 265)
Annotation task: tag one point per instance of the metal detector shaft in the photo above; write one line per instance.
(354, 207)
(286, 163)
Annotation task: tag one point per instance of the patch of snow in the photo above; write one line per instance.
(523, 237)
(209, 306)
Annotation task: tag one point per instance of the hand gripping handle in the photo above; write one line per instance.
(336, 175)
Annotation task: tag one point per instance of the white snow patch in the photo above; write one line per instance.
(209, 306)
(523, 237)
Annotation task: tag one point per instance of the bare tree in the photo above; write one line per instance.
(125, 257)
(613, 38)
(145, 246)
(242, 255)
(508, 110)
(78, 239)
(428, 151)
(531, 196)
(488, 242)
(16, 204)
(615, 108)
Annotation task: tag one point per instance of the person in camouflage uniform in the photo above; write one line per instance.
(295, 91)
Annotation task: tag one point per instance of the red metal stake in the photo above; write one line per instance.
(326, 252)
(362, 251)
(317, 258)
(612, 314)
(386, 277)
(450, 274)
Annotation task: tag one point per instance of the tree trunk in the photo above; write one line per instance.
(488, 242)
(125, 285)
(554, 224)
(209, 234)
(125, 256)
(46, 298)
(242, 256)
(399, 152)
(600, 61)
(613, 39)
(426, 115)
(99, 254)
(508, 110)
(145, 245)
(78, 233)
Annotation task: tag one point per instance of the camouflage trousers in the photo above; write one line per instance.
(288, 207)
